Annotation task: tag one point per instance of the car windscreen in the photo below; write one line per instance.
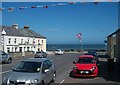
(86, 60)
(27, 66)
(57, 50)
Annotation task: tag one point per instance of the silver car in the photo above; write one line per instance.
(41, 54)
(33, 71)
(5, 58)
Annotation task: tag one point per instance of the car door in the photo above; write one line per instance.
(51, 69)
(46, 75)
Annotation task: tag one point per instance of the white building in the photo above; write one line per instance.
(0, 39)
(21, 40)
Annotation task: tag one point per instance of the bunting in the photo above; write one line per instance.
(10, 9)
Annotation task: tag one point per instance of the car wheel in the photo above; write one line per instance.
(54, 77)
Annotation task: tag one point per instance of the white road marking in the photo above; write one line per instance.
(62, 81)
(4, 72)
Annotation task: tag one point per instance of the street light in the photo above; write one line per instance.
(3, 35)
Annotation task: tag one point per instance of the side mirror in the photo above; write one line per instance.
(74, 62)
(46, 70)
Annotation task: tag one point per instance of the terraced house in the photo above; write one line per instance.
(16, 39)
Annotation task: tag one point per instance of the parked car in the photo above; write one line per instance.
(32, 71)
(59, 52)
(5, 58)
(85, 67)
(93, 53)
(40, 54)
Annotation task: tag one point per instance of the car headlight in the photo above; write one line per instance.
(34, 81)
(93, 68)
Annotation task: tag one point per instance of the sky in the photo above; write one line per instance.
(60, 24)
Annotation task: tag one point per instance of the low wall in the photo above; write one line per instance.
(17, 54)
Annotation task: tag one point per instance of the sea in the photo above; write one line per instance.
(52, 47)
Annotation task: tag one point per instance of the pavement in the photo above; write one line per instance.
(64, 65)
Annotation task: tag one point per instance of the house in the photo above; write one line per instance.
(22, 39)
(113, 45)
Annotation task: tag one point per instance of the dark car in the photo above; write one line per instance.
(93, 53)
(40, 54)
(5, 58)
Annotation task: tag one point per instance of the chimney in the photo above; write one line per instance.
(26, 27)
(15, 26)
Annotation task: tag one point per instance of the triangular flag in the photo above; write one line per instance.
(45, 6)
(71, 2)
(10, 9)
(22, 8)
(33, 6)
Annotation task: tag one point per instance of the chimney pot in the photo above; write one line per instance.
(15, 26)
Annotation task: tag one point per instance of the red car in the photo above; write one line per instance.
(86, 66)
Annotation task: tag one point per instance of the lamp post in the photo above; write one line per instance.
(3, 36)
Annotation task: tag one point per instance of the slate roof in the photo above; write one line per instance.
(10, 31)
(30, 33)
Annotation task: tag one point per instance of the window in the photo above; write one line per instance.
(15, 41)
(21, 41)
(15, 49)
(28, 66)
(8, 49)
(49, 63)
(42, 41)
(28, 48)
(12, 49)
(9, 41)
(44, 66)
(24, 48)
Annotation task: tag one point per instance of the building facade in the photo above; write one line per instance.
(0, 39)
(113, 45)
(22, 40)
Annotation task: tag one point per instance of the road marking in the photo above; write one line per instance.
(4, 72)
(62, 81)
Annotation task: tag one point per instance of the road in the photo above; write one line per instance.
(64, 65)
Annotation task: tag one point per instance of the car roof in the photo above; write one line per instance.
(86, 56)
(36, 59)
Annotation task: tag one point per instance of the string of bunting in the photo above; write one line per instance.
(10, 9)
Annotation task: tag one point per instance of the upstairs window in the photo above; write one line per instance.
(9, 41)
(15, 41)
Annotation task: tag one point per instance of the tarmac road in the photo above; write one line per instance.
(64, 65)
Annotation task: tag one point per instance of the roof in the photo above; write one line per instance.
(114, 33)
(86, 56)
(10, 31)
(31, 33)
(35, 59)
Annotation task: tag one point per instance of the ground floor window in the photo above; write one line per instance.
(15, 49)
(28, 48)
(20, 49)
(8, 49)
